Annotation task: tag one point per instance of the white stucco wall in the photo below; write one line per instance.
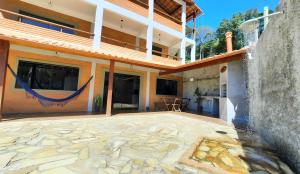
(237, 103)
(234, 107)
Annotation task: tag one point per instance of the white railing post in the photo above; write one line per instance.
(183, 40)
(266, 19)
(150, 29)
(193, 52)
(98, 24)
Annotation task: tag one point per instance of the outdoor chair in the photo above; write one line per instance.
(185, 104)
(166, 103)
(176, 106)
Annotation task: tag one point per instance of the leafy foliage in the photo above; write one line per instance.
(98, 103)
(197, 95)
(213, 43)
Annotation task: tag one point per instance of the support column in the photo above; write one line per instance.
(98, 24)
(148, 92)
(182, 51)
(193, 52)
(4, 49)
(150, 29)
(183, 40)
(91, 90)
(110, 88)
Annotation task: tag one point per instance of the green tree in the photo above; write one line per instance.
(215, 43)
(233, 26)
(204, 40)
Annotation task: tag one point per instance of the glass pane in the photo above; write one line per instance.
(35, 23)
(49, 26)
(69, 31)
(71, 79)
(166, 87)
(25, 71)
(47, 76)
(56, 28)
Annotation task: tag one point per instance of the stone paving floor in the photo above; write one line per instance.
(138, 143)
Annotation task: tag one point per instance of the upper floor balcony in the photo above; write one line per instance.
(77, 25)
(141, 7)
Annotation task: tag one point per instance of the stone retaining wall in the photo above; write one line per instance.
(274, 83)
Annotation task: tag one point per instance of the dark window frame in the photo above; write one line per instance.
(173, 92)
(157, 48)
(33, 82)
(64, 30)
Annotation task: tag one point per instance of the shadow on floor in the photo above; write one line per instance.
(206, 114)
(60, 115)
(244, 155)
(35, 116)
(260, 156)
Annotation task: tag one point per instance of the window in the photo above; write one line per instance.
(156, 50)
(166, 87)
(49, 26)
(48, 76)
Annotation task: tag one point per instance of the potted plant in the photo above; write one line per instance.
(198, 95)
(98, 103)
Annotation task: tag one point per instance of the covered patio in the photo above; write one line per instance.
(112, 64)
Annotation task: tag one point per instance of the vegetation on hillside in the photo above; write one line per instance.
(211, 43)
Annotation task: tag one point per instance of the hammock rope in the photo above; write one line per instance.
(47, 101)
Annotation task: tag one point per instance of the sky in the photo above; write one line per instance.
(217, 10)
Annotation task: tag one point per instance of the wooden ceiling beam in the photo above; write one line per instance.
(174, 11)
(159, 4)
(191, 15)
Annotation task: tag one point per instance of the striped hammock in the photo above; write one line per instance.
(47, 101)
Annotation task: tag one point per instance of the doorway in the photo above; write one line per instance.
(126, 92)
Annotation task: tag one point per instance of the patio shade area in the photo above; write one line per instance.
(132, 143)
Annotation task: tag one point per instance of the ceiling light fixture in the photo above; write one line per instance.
(122, 24)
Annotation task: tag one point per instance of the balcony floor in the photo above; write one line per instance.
(25, 32)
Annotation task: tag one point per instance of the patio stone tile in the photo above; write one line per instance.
(5, 158)
(123, 145)
(58, 170)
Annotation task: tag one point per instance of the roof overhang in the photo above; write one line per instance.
(166, 69)
(218, 59)
(85, 53)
